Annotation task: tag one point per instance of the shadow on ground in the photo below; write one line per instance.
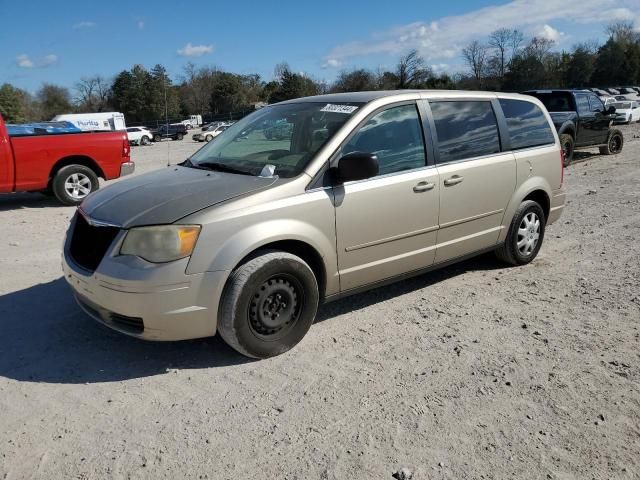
(47, 338)
(15, 201)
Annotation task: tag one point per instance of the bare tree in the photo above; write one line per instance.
(517, 39)
(500, 40)
(539, 48)
(92, 93)
(623, 32)
(475, 54)
(412, 71)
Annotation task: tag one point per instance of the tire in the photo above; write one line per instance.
(523, 228)
(179, 136)
(208, 138)
(615, 142)
(73, 183)
(568, 146)
(157, 138)
(269, 283)
(145, 140)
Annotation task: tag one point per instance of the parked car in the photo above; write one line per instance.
(582, 120)
(247, 240)
(626, 112)
(210, 134)
(628, 93)
(66, 165)
(174, 131)
(139, 135)
(612, 91)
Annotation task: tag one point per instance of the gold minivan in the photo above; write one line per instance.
(309, 200)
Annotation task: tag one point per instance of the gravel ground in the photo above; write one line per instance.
(474, 371)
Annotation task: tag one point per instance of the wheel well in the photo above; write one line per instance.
(540, 196)
(302, 250)
(76, 160)
(568, 131)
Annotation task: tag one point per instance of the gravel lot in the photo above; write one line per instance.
(474, 371)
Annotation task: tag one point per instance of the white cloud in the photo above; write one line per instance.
(195, 50)
(24, 61)
(84, 25)
(332, 63)
(550, 33)
(445, 37)
(140, 25)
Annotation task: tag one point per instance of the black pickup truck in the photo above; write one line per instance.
(582, 121)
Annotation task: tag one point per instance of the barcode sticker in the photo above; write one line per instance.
(329, 107)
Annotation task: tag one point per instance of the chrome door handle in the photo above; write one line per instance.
(423, 187)
(456, 179)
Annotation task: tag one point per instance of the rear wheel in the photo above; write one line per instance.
(179, 136)
(525, 236)
(145, 140)
(567, 147)
(614, 143)
(157, 138)
(268, 304)
(73, 183)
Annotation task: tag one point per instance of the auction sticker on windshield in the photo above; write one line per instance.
(329, 107)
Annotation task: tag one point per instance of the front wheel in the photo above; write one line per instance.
(73, 183)
(268, 304)
(157, 138)
(145, 140)
(208, 138)
(614, 143)
(179, 136)
(525, 236)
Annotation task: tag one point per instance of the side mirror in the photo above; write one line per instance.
(611, 110)
(356, 166)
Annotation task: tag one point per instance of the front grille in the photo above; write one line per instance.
(89, 244)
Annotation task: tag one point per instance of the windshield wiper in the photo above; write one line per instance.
(221, 167)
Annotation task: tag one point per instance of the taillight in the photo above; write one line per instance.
(561, 166)
(126, 148)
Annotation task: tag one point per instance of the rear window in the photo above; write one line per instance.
(555, 102)
(527, 125)
(465, 129)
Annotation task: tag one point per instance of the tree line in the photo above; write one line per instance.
(503, 61)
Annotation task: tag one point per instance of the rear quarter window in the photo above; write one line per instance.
(527, 125)
(465, 129)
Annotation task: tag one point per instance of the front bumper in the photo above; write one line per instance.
(148, 301)
(127, 168)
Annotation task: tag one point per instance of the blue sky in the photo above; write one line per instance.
(59, 42)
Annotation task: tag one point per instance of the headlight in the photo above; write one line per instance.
(161, 244)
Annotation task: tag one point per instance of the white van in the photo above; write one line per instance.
(94, 121)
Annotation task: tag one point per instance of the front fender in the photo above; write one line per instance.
(528, 186)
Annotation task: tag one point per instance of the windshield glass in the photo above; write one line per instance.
(284, 136)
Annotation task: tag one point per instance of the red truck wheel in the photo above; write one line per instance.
(73, 183)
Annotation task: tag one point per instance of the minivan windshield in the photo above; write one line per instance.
(283, 138)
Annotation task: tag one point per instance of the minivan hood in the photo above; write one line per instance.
(166, 195)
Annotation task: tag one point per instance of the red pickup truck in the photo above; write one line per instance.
(66, 165)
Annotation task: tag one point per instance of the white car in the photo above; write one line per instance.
(139, 135)
(210, 133)
(625, 112)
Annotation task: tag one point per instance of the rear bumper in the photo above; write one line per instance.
(127, 168)
(557, 205)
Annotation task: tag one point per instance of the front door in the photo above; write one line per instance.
(476, 179)
(602, 121)
(387, 225)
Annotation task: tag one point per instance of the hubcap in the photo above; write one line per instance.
(614, 144)
(78, 185)
(528, 234)
(275, 306)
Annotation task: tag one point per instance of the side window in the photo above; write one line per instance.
(465, 129)
(395, 136)
(527, 125)
(596, 104)
(583, 104)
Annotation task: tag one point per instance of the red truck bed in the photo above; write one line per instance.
(32, 162)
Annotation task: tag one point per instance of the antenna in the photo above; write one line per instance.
(166, 118)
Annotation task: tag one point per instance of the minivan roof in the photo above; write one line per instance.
(366, 97)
